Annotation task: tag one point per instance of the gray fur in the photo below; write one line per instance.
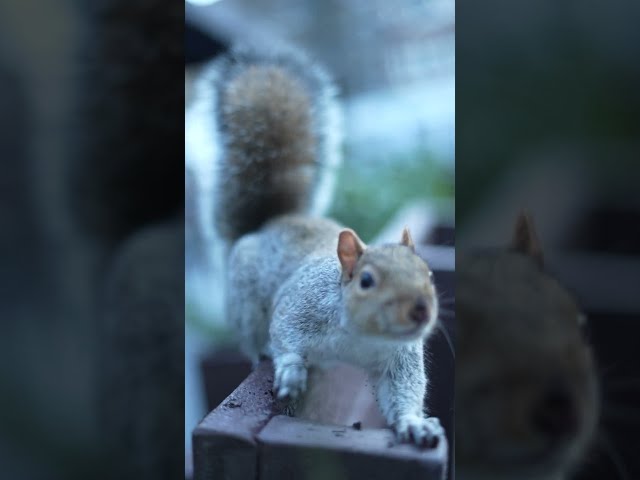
(287, 294)
(286, 300)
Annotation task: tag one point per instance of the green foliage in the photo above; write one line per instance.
(368, 194)
(516, 104)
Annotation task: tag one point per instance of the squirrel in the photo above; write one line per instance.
(302, 289)
(526, 387)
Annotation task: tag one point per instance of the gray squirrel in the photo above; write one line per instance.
(302, 289)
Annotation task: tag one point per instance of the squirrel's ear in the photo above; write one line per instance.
(407, 241)
(525, 239)
(350, 249)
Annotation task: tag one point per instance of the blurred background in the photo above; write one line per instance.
(548, 120)
(44, 373)
(91, 278)
(394, 64)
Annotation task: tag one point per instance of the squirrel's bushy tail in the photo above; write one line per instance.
(277, 124)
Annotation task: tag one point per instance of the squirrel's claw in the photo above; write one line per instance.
(424, 432)
(290, 381)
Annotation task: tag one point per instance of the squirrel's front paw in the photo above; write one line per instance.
(419, 430)
(290, 380)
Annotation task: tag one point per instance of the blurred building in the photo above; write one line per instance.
(394, 62)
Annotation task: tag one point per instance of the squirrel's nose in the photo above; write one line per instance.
(420, 311)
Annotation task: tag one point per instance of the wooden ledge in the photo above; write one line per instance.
(247, 437)
(290, 448)
(224, 443)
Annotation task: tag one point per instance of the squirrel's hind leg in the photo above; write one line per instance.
(247, 311)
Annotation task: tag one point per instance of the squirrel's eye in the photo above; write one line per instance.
(366, 280)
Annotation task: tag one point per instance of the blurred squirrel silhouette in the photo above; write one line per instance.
(126, 201)
(526, 389)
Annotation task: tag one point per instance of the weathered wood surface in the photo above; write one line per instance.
(224, 443)
(245, 437)
(292, 448)
(350, 400)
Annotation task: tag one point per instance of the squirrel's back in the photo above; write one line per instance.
(277, 123)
